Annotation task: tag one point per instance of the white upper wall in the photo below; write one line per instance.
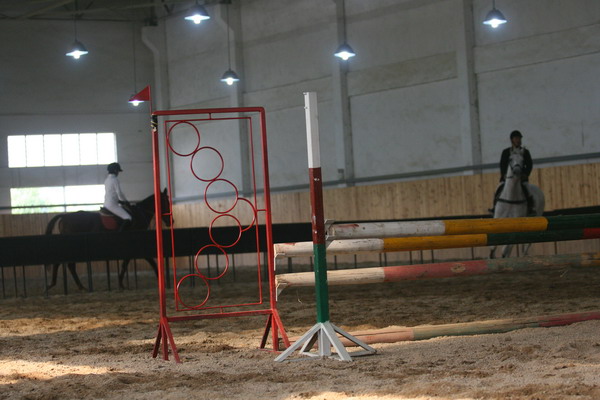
(389, 32)
(404, 85)
(43, 91)
(37, 78)
(534, 17)
(407, 103)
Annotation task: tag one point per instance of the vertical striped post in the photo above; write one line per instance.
(323, 334)
(316, 201)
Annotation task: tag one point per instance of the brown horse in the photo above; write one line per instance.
(142, 214)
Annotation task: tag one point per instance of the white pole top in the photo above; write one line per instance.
(312, 129)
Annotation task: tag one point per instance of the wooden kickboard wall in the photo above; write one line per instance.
(564, 187)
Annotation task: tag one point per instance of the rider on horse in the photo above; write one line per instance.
(515, 139)
(114, 197)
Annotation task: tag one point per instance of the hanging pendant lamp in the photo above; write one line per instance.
(135, 101)
(77, 49)
(229, 77)
(345, 51)
(494, 18)
(197, 14)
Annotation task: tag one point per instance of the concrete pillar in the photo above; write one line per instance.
(341, 105)
(467, 87)
(154, 37)
(236, 91)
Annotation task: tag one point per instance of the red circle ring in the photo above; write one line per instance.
(169, 138)
(192, 163)
(234, 203)
(207, 291)
(214, 277)
(235, 241)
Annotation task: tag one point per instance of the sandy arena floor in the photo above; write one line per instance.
(98, 345)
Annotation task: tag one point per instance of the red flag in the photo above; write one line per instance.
(143, 95)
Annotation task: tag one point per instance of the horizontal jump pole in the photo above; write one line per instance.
(360, 276)
(355, 246)
(460, 226)
(399, 334)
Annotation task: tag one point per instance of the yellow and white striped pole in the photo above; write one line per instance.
(460, 226)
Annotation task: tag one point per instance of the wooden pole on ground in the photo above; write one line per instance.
(400, 334)
(360, 276)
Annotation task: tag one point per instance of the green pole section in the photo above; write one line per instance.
(321, 286)
(495, 239)
(573, 221)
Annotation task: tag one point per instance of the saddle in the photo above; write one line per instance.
(110, 221)
(528, 199)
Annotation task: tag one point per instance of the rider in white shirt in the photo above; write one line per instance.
(113, 195)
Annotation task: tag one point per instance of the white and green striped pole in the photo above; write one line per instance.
(324, 333)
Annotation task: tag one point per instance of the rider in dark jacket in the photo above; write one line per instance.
(515, 139)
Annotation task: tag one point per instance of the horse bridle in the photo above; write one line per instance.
(512, 166)
(501, 200)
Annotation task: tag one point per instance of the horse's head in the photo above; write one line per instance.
(515, 163)
(146, 210)
(165, 205)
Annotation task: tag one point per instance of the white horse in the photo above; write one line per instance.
(512, 201)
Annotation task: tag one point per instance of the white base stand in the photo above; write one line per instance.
(324, 335)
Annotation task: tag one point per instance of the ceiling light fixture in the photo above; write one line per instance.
(344, 51)
(197, 14)
(494, 18)
(229, 76)
(133, 100)
(77, 49)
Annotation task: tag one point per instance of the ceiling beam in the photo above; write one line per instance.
(44, 9)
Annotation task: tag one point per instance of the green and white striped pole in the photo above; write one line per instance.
(324, 333)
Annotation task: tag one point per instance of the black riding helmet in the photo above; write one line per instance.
(515, 134)
(113, 168)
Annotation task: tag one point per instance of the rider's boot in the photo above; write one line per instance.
(530, 201)
(496, 196)
(125, 225)
(530, 206)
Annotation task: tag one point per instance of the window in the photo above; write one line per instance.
(61, 149)
(53, 198)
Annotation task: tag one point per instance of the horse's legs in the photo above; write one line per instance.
(122, 273)
(526, 247)
(73, 272)
(54, 275)
(153, 264)
(124, 268)
(493, 252)
(507, 250)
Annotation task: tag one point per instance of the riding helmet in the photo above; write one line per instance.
(114, 168)
(515, 134)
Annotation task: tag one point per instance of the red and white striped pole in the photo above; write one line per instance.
(324, 333)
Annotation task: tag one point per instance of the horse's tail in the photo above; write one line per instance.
(52, 222)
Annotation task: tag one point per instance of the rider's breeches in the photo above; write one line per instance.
(118, 211)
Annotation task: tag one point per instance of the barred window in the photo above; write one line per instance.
(55, 198)
(62, 149)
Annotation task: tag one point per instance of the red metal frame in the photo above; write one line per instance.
(273, 324)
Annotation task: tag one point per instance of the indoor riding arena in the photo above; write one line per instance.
(300, 199)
